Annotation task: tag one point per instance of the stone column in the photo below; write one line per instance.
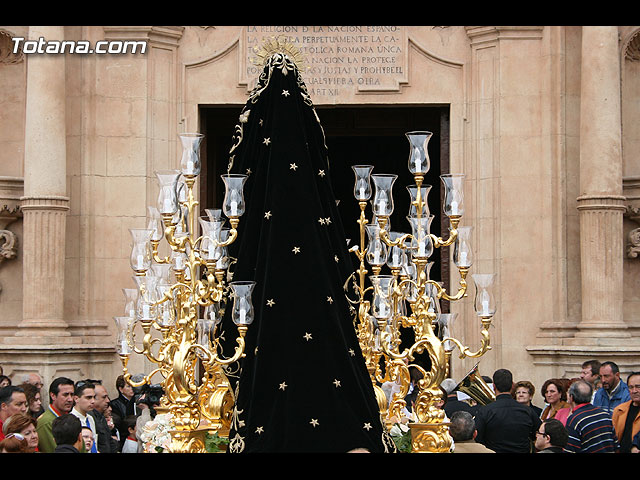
(45, 202)
(601, 203)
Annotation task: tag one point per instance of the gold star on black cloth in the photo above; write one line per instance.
(303, 334)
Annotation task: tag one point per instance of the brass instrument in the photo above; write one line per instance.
(474, 386)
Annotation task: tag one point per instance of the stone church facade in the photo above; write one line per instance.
(542, 120)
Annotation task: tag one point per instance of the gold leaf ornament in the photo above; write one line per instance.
(278, 45)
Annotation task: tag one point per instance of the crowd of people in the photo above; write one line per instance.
(80, 417)
(596, 412)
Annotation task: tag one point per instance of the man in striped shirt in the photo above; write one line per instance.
(590, 428)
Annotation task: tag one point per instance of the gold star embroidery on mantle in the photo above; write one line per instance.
(367, 426)
(329, 299)
(285, 93)
(327, 221)
(282, 386)
(307, 336)
(259, 430)
(336, 382)
(351, 352)
(270, 302)
(335, 257)
(293, 166)
(321, 173)
(321, 221)
(267, 141)
(314, 422)
(296, 250)
(268, 215)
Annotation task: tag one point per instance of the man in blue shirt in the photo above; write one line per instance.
(613, 391)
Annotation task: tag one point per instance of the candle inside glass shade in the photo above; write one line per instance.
(168, 194)
(418, 154)
(233, 205)
(376, 253)
(413, 195)
(190, 162)
(484, 302)
(381, 305)
(397, 256)
(242, 313)
(453, 205)
(362, 187)
(462, 253)
(383, 198)
(421, 242)
(140, 258)
(122, 326)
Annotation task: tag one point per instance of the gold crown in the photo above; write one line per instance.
(273, 45)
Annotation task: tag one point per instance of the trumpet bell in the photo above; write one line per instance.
(474, 386)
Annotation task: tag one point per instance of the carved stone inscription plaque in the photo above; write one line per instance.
(339, 60)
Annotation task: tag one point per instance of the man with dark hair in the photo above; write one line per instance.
(613, 392)
(589, 427)
(504, 425)
(12, 401)
(551, 437)
(61, 402)
(67, 433)
(84, 398)
(463, 431)
(123, 406)
(626, 416)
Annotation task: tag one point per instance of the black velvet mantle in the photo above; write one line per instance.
(303, 385)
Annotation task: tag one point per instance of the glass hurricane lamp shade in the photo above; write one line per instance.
(222, 263)
(434, 303)
(155, 224)
(168, 194)
(418, 155)
(383, 197)
(421, 242)
(233, 205)
(141, 254)
(484, 303)
(162, 271)
(377, 252)
(147, 297)
(462, 252)
(215, 215)
(242, 312)
(122, 344)
(381, 305)
(413, 194)
(446, 321)
(190, 162)
(397, 257)
(165, 311)
(453, 205)
(362, 187)
(209, 250)
(131, 298)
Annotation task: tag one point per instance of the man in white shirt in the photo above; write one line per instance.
(84, 397)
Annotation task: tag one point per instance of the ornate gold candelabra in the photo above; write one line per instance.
(180, 299)
(408, 298)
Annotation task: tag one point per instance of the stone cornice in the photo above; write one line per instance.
(484, 34)
(167, 35)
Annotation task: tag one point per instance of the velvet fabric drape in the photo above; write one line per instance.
(303, 385)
